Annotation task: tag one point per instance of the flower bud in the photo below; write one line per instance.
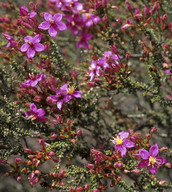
(3, 161)
(90, 166)
(162, 182)
(153, 130)
(114, 49)
(118, 165)
(79, 132)
(146, 10)
(19, 179)
(51, 153)
(87, 187)
(128, 6)
(79, 189)
(164, 149)
(18, 160)
(137, 171)
(168, 165)
(41, 141)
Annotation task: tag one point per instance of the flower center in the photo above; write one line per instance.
(71, 90)
(33, 117)
(118, 141)
(30, 43)
(51, 21)
(88, 15)
(152, 160)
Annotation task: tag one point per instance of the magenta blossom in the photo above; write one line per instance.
(108, 59)
(53, 24)
(90, 19)
(60, 97)
(64, 94)
(32, 45)
(11, 42)
(73, 23)
(94, 70)
(121, 143)
(34, 81)
(25, 12)
(72, 6)
(36, 114)
(150, 160)
(72, 93)
(84, 37)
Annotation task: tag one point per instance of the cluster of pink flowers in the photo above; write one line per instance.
(122, 142)
(76, 20)
(64, 94)
(109, 61)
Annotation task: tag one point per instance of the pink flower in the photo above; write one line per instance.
(34, 81)
(25, 12)
(150, 160)
(53, 24)
(121, 143)
(90, 19)
(11, 42)
(36, 114)
(32, 45)
(94, 70)
(84, 37)
(73, 23)
(64, 94)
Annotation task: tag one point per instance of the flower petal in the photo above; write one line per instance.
(23, 10)
(39, 47)
(154, 150)
(123, 151)
(128, 144)
(30, 53)
(32, 14)
(61, 26)
(67, 98)
(24, 47)
(41, 112)
(28, 38)
(47, 16)
(64, 87)
(52, 32)
(57, 17)
(153, 169)
(144, 154)
(143, 164)
(123, 135)
(33, 107)
(44, 25)
(59, 104)
(160, 160)
(37, 38)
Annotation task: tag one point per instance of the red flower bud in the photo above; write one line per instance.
(153, 130)
(128, 6)
(19, 179)
(90, 166)
(87, 187)
(168, 165)
(18, 160)
(41, 141)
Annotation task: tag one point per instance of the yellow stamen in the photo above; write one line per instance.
(88, 15)
(152, 160)
(71, 90)
(118, 141)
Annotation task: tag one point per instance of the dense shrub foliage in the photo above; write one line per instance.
(86, 94)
